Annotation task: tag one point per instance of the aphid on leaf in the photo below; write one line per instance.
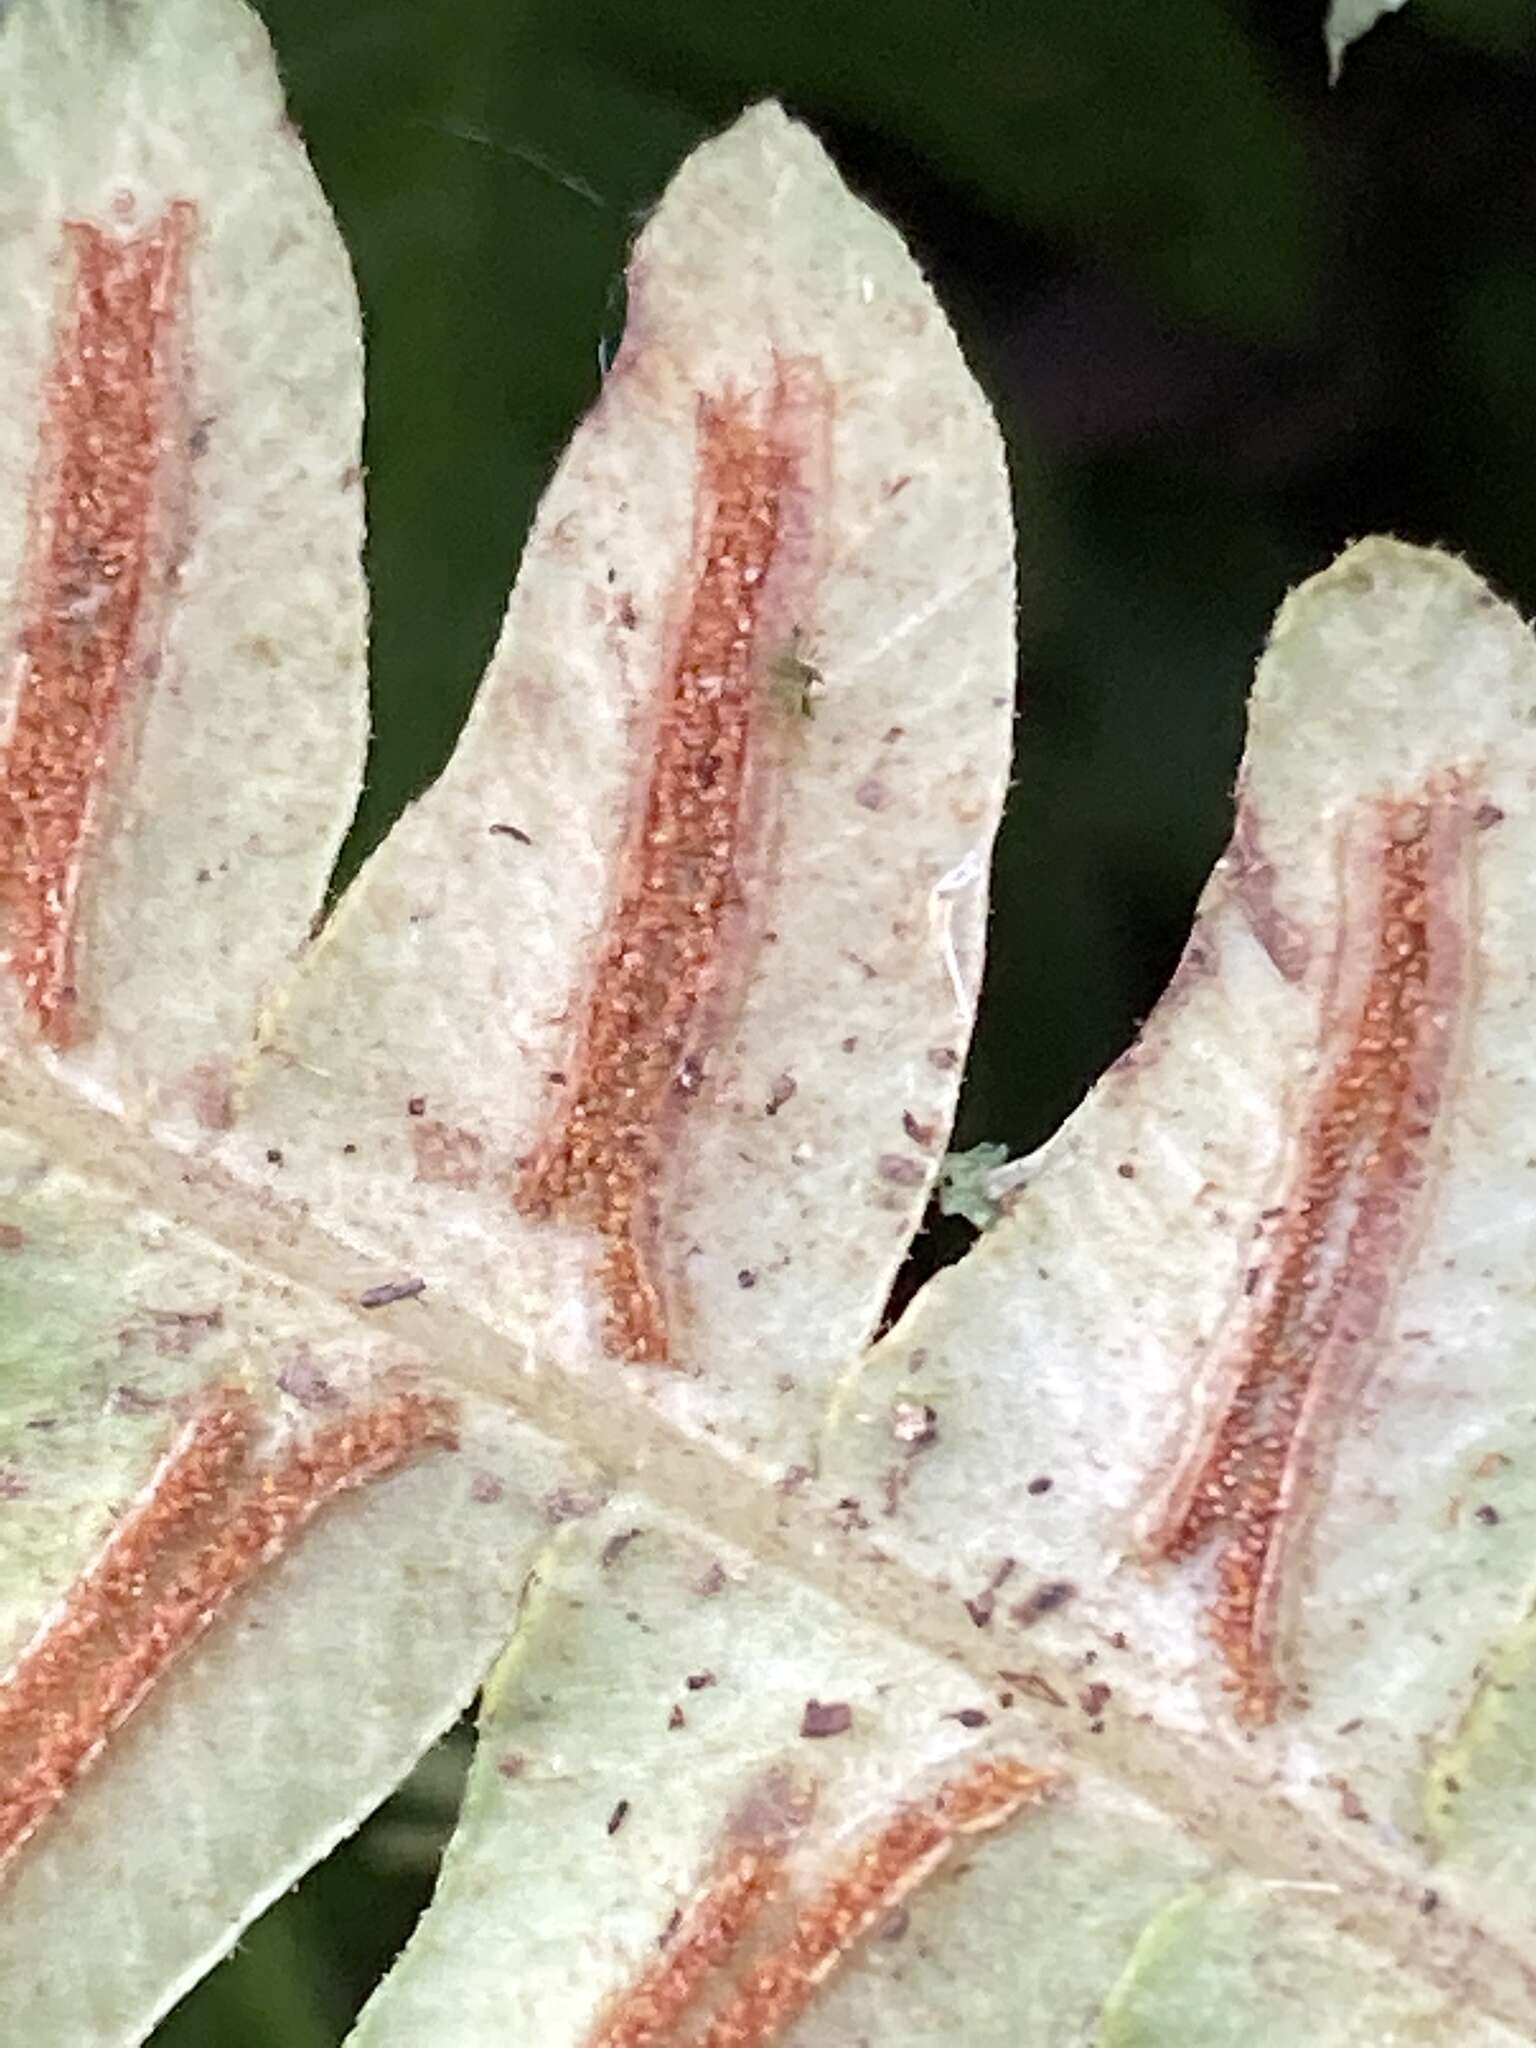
(797, 684)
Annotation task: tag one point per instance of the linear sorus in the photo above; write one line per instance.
(673, 951)
(1289, 1374)
(106, 523)
(772, 1988)
(210, 1518)
(703, 1939)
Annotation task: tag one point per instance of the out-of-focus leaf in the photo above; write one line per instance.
(1072, 118)
(1347, 22)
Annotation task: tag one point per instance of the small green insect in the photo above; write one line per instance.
(797, 684)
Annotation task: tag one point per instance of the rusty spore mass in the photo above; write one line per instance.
(212, 1518)
(106, 523)
(1289, 1378)
(674, 950)
(803, 1942)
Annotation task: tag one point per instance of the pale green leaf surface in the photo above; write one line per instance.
(580, 1715)
(455, 969)
(141, 1272)
(1076, 1333)
(1359, 1866)
(307, 1705)
(244, 751)
(1245, 1963)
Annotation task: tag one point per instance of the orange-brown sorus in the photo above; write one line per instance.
(676, 932)
(772, 1988)
(212, 1516)
(107, 520)
(1340, 1233)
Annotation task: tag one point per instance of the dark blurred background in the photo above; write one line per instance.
(1229, 319)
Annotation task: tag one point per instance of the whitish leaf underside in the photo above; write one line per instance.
(1134, 1644)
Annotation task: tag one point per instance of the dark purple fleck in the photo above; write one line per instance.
(304, 1382)
(779, 1093)
(567, 1504)
(390, 1290)
(129, 1400)
(1044, 1600)
(616, 1546)
(826, 1717)
(902, 1171)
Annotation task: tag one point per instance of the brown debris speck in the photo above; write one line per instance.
(1045, 1599)
(782, 1091)
(826, 1717)
(1351, 1805)
(900, 1170)
(1037, 1685)
(616, 1546)
(391, 1291)
(303, 1381)
(569, 1504)
(616, 1819)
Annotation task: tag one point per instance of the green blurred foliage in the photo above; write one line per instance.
(1229, 319)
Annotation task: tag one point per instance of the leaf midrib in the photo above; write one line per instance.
(1254, 1831)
